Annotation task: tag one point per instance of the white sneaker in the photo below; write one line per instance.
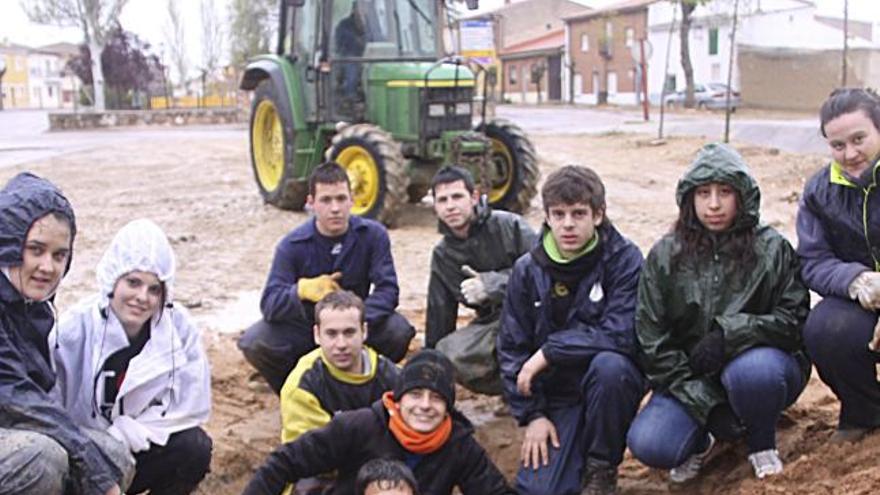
(766, 463)
(690, 468)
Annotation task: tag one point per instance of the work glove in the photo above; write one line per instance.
(473, 289)
(314, 289)
(866, 289)
(707, 357)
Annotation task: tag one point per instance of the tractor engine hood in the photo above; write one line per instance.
(412, 74)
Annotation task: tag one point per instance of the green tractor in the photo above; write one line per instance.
(363, 83)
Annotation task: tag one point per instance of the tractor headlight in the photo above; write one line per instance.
(436, 110)
(463, 108)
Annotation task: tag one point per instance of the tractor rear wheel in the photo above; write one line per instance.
(272, 149)
(513, 166)
(376, 169)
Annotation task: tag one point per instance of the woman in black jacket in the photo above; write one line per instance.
(41, 450)
(415, 424)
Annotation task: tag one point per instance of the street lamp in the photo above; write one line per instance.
(2, 73)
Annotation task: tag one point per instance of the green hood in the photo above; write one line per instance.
(717, 162)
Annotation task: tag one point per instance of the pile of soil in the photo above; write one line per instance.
(204, 197)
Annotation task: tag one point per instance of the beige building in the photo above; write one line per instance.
(15, 80)
(520, 24)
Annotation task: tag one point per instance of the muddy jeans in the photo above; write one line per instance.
(33, 463)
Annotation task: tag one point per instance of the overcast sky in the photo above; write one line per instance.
(148, 19)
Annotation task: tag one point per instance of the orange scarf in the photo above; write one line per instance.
(412, 440)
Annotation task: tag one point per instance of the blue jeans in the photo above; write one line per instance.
(596, 428)
(760, 383)
(836, 336)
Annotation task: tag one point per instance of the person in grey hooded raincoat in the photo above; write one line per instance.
(719, 318)
(42, 451)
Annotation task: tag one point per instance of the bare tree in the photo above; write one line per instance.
(687, 8)
(96, 18)
(212, 36)
(176, 40)
(251, 26)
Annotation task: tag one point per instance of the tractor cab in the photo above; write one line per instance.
(364, 33)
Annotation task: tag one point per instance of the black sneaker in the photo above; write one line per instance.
(600, 478)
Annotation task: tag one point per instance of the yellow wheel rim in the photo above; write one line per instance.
(267, 138)
(363, 173)
(500, 171)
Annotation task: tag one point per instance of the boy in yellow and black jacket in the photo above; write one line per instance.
(340, 375)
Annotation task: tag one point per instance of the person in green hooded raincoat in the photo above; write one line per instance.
(719, 318)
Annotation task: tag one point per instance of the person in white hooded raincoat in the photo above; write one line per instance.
(130, 360)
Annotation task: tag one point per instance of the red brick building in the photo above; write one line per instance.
(598, 65)
(532, 70)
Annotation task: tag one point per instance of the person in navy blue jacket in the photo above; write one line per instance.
(567, 342)
(333, 250)
(838, 228)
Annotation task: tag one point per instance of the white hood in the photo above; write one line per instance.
(139, 246)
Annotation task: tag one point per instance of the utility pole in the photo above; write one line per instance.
(845, 41)
(730, 74)
(666, 74)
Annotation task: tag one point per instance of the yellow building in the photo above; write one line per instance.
(15, 80)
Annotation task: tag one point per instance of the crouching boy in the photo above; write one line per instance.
(567, 342)
(340, 375)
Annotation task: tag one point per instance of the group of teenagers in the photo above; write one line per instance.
(572, 325)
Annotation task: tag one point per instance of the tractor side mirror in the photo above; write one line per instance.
(296, 3)
(473, 4)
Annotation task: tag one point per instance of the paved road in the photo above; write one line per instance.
(799, 136)
(25, 136)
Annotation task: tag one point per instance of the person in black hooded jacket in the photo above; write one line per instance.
(415, 423)
(41, 450)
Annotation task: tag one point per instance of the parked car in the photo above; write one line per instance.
(710, 95)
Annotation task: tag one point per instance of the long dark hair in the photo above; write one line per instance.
(696, 241)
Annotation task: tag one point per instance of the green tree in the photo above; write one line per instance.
(251, 26)
(96, 18)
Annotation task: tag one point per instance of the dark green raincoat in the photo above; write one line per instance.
(678, 303)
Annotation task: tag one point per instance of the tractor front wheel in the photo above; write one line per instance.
(272, 149)
(513, 166)
(376, 169)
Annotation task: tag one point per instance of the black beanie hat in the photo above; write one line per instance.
(428, 369)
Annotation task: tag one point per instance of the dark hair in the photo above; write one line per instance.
(388, 473)
(848, 100)
(574, 184)
(450, 174)
(328, 173)
(339, 299)
(696, 241)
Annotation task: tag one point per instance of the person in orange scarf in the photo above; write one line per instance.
(415, 423)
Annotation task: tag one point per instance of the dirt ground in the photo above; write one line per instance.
(203, 195)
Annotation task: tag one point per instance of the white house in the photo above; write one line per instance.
(44, 79)
(780, 26)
